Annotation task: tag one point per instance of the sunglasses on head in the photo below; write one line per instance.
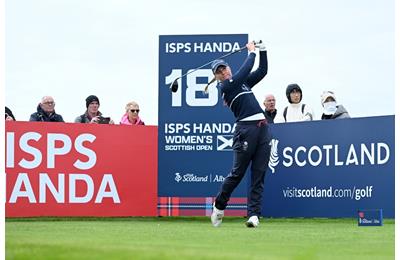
(135, 110)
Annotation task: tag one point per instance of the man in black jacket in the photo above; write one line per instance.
(46, 112)
(270, 110)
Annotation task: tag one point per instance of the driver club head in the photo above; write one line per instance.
(174, 86)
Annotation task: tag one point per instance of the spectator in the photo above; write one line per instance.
(46, 112)
(131, 116)
(296, 111)
(331, 109)
(9, 115)
(270, 110)
(92, 114)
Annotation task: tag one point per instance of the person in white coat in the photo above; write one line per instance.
(296, 110)
(331, 109)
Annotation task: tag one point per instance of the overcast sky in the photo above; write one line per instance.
(70, 49)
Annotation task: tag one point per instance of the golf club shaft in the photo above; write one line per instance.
(223, 56)
(174, 85)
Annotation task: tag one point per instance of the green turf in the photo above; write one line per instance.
(195, 238)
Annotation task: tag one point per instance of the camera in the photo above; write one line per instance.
(104, 120)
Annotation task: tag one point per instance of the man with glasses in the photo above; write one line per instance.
(46, 112)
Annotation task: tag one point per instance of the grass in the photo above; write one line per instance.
(195, 238)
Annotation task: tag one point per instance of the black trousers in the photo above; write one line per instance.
(250, 145)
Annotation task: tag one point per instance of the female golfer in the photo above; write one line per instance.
(251, 137)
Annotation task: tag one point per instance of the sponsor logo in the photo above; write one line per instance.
(245, 146)
(274, 157)
(372, 217)
(200, 47)
(190, 177)
(328, 155)
(178, 177)
(198, 137)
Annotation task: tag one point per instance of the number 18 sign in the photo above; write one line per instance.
(191, 121)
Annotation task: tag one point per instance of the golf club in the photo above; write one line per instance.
(174, 85)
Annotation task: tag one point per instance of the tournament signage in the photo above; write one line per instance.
(63, 169)
(195, 128)
(331, 168)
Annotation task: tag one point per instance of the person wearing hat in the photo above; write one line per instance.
(251, 137)
(296, 110)
(330, 108)
(45, 111)
(9, 115)
(92, 114)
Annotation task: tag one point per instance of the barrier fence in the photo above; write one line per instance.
(65, 169)
(326, 168)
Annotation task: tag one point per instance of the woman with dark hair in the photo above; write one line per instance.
(9, 115)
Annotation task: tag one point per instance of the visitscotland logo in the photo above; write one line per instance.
(190, 177)
(178, 177)
(329, 155)
(274, 157)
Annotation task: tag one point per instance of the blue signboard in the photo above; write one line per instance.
(328, 168)
(195, 128)
(331, 168)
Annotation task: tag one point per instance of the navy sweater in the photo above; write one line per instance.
(237, 93)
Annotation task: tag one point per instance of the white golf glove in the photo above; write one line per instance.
(261, 46)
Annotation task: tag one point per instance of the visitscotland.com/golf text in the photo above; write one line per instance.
(314, 192)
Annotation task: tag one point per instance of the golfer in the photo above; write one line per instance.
(251, 137)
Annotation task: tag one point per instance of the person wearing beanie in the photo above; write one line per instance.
(296, 111)
(45, 111)
(92, 114)
(9, 115)
(330, 108)
(92, 98)
(251, 137)
(131, 116)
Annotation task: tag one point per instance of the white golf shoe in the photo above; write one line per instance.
(216, 217)
(252, 222)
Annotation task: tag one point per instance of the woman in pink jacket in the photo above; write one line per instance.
(131, 117)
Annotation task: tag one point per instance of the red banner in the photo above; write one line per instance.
(65, 169)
